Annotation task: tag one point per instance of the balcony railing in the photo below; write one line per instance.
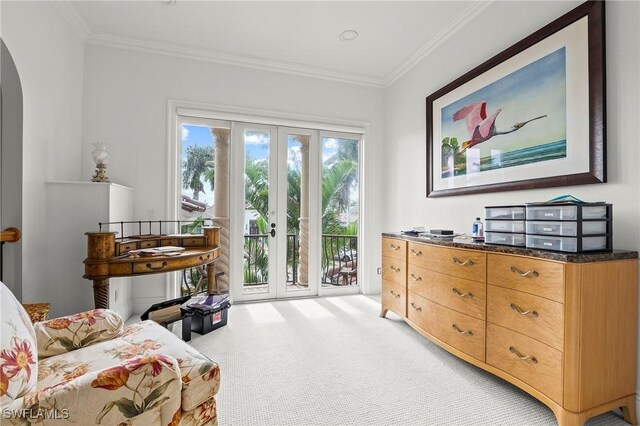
(338, 262)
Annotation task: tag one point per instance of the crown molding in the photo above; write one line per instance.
(470, 12)
(227, 58)
(73, 18)
(69, 12)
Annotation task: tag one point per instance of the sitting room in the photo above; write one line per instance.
(319, 212)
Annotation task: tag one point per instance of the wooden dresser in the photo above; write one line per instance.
(562, 327)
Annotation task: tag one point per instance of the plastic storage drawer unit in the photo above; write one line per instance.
(567, 229)
(504, 212)
(505, 239)
(568, 244)
(568, 212)
(513, 226)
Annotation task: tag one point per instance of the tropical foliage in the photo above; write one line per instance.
(339, 180)
(198, 164)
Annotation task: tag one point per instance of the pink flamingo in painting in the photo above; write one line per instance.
(480, 127)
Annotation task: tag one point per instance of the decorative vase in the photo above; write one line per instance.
(101, 157)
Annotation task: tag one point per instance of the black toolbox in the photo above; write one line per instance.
(208, 312)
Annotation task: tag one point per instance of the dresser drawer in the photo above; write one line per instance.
(533, 362)
(533, 316)
(460, 331)
(462, 295)
(467, 264)
(394, 270)
(396, 249)
(534, 276)
(394, 297)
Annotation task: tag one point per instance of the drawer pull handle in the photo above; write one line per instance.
(414, 278)
(524, 313)
(416, 253)
(461, 263)
(394, 269)
(394, 247)
(533, 359)
(524, 274)
(462, 332)
(459, 293)
(417, 308)
(156, 268)
(393, 293)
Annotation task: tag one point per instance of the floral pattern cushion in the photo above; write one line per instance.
(142, 390)
(18, 352)
(200, 375)
(205, 414)
(69, 333)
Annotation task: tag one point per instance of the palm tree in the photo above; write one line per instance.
(347, 151)
(257, 190)
(257, 198)
(334, 181)
(194, 168)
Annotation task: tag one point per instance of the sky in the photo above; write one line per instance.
(536, 89)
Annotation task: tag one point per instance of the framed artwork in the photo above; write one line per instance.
(532, 116)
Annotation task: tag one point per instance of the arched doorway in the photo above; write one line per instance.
(11, 167)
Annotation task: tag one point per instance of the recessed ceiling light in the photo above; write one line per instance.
(349, 35)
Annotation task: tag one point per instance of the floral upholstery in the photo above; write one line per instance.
(18, 353)
(102, 373)
(200, 375)
(143, 390)
(65, 334)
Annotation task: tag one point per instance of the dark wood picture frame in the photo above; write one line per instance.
(595, 11)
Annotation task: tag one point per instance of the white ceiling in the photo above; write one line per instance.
(291, 36)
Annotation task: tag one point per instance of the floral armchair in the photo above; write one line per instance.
(89, 369)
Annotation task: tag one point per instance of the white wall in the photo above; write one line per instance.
(126, 95)
(406, 204)
(49, 57)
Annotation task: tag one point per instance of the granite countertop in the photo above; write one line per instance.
(543, 254)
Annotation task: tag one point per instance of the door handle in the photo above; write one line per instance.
(273, 232)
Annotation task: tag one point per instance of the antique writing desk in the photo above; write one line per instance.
(106, 258)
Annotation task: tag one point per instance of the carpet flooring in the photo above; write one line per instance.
(333, 361)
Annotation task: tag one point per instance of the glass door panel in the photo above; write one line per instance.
(204, 192)
(259, 248)
(340, 210)
(298, 177)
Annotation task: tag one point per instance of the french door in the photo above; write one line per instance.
(275, 193)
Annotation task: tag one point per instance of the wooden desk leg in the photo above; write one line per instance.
(101, 293)
(211, 278)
